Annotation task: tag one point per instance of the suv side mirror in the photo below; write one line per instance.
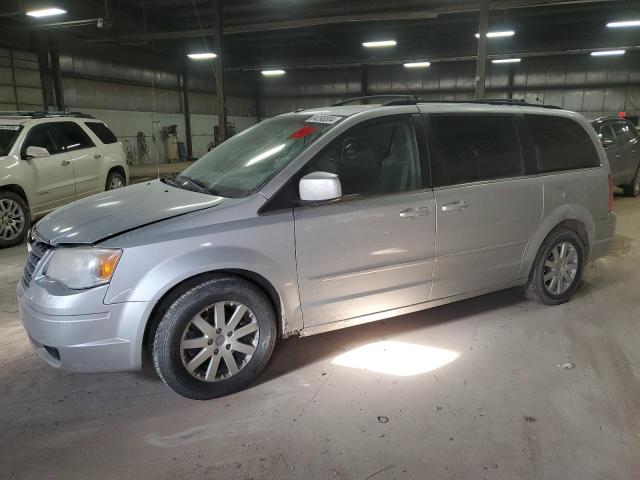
(320, 186)
(36, 152)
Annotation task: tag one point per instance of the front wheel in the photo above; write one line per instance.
(558, 268)
(215, 339)
(15, 219)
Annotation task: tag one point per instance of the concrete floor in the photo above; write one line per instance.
(503, 409)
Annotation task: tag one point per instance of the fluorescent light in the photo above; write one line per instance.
(505, 33)
(626, 23)
(272, 73)
(201, 56)
(46, 12)
(381, 43)
(417, 64)
(604, 53)
(506, 60)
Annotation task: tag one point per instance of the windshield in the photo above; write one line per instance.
(242, 164)
(8, 135)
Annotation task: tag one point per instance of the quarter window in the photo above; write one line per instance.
(373, 159)
(72, 136)
(561, 143)
(105, 135)
(468, 148)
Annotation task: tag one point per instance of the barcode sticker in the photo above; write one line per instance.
(328, 119)
(10, 127)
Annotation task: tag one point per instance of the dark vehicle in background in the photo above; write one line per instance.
(621, 142)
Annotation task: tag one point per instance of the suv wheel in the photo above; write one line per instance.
(215, 338)
(633, 190)
(115, 180)
(558, 268)
(15, 219)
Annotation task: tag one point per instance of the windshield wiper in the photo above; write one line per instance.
(200, 185)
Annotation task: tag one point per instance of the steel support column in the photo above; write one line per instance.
(58, 86)
(219, 67)
(186, 108)
(43, 66)
(258, 97)
(481, 65)
(364, 81)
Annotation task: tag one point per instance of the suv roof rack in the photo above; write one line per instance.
(413, 100)
(371, 97)
(37, 114)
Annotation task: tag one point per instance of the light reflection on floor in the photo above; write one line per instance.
(396, 358)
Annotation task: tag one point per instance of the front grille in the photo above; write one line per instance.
(38, 250)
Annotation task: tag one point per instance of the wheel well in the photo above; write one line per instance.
(169, 297)
(118, 169)
(17, 189)
(578, 227)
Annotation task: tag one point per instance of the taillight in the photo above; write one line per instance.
(610, 194)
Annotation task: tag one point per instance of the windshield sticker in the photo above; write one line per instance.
(328, 119)
(10, 127)
(303, 132)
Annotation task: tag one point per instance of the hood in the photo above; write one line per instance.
(100, 216)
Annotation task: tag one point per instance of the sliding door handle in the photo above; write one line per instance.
(415, 212)
(456, 206)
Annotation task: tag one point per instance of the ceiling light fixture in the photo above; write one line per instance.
(272, 73)
(417, 64)
(505, 33)
(381, 43)
(201, 56)
(606, 53)
(506, 60)
(46, 12)
(625, 23)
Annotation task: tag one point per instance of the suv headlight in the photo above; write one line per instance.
(80, 267)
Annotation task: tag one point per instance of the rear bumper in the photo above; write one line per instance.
(605, 230)
(66, 336)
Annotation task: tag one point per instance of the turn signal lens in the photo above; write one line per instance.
(107, 263)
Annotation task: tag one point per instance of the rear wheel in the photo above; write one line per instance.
(115, 180)
(558, 268)
(15, 219)
(215, 338)
(633, 190)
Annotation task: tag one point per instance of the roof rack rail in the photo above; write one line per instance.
(371, 97)
(497, 101)
(38, 114)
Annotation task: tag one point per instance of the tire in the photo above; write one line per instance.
(15, 219)
(633, 190)
(541, 291)
(115, 180)
(175, 361)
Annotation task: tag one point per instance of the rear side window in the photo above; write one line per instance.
(561, 144)
(105, 135)
(622, 131)
(72, 136)
(468, 148)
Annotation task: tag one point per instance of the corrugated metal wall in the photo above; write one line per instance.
(592, 85)
(20, 87)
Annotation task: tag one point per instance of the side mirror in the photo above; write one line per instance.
(37, 152)
(320, 186)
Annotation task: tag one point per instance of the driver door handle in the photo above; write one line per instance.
(415, 212)
(456, 206)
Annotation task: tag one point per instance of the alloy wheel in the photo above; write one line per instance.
(560, 268)
(116, 182)
(219, 341)
(12, 219)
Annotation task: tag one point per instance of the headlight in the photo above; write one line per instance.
(81, 267)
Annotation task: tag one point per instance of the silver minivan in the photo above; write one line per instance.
(313, 221)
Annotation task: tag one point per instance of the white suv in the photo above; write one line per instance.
(50, 159)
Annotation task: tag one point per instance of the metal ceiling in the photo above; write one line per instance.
(299, 33)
